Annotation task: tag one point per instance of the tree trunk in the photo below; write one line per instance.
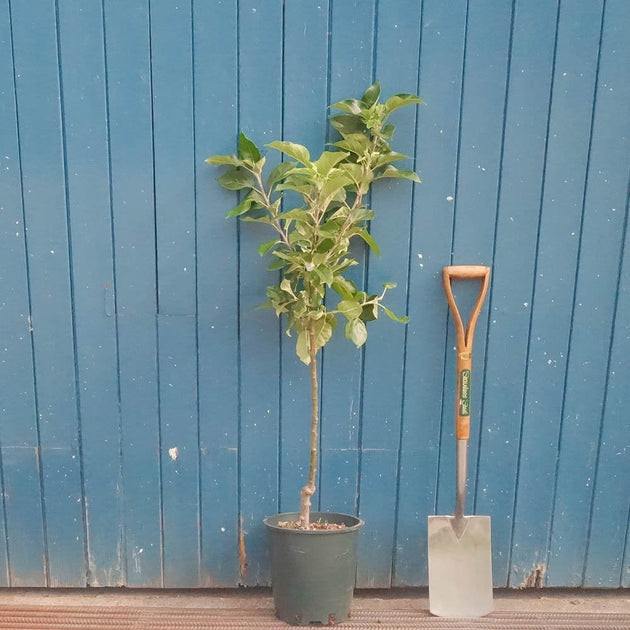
(309, 489)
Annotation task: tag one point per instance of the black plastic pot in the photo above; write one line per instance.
(313, 571)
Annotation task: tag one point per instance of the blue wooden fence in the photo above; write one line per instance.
(150, 416)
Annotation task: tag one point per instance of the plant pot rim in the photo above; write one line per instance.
(356, 523)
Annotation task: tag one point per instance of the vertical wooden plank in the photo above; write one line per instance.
(131, 162)
(398, 39)
(140, 442)
(171, 64)
(23, 499)
(86, 141)
(568, 137)
(180, 451)
(16, 358)
(260, 110)
(605, 565)
(171, 56)
(215, 74)
(61, 471)
(19, 462)
(484, 89)
(305, 72)
(352, 48)
(531, 65)
(591, 328)
(221, 562)
(305, 115)
(351, 63)
(441, 54)
(51, 320)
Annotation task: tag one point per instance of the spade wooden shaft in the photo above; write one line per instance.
(465, 337)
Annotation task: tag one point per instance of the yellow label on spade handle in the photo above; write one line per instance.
(462, 413)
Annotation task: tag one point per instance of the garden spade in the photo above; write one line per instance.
(460, 557)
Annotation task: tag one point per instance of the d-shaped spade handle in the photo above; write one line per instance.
(465, 338)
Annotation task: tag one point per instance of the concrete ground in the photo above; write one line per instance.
(248, 599)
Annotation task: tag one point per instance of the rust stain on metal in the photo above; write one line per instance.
(536, 578)
(242, 552)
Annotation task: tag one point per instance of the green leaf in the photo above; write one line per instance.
(296, 214)
(300, 240)
(328, 160)
(296, 151)
(279, 173)
(276, 263)
(285, 286)
(332, 227)
(369, 313)
(335, 184)
(302, 346)
(350, 309)
(389, 285)
(357, 173)
(259, 199)
(303, 174)
(347, 124)
(362, 214)
(374, 116)
(389, 156)
(324, 246)
(258, 219)
(284, 256)
(356, 331)
(224, 160)
(402, 320)
(345, 263)
(325, 274)
(371, 94)
(301, 189)
(369, 239)
(236, 179)
(265, 247)
(387, 131)
(324, 330)
(343, 287)
(300, 180)
(392, 172)
(401, 100)
(247, 150)
(357, 143)
(242, 208)
(350, 105)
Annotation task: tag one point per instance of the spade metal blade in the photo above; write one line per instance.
(460, 567)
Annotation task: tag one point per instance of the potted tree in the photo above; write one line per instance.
(314, 554)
